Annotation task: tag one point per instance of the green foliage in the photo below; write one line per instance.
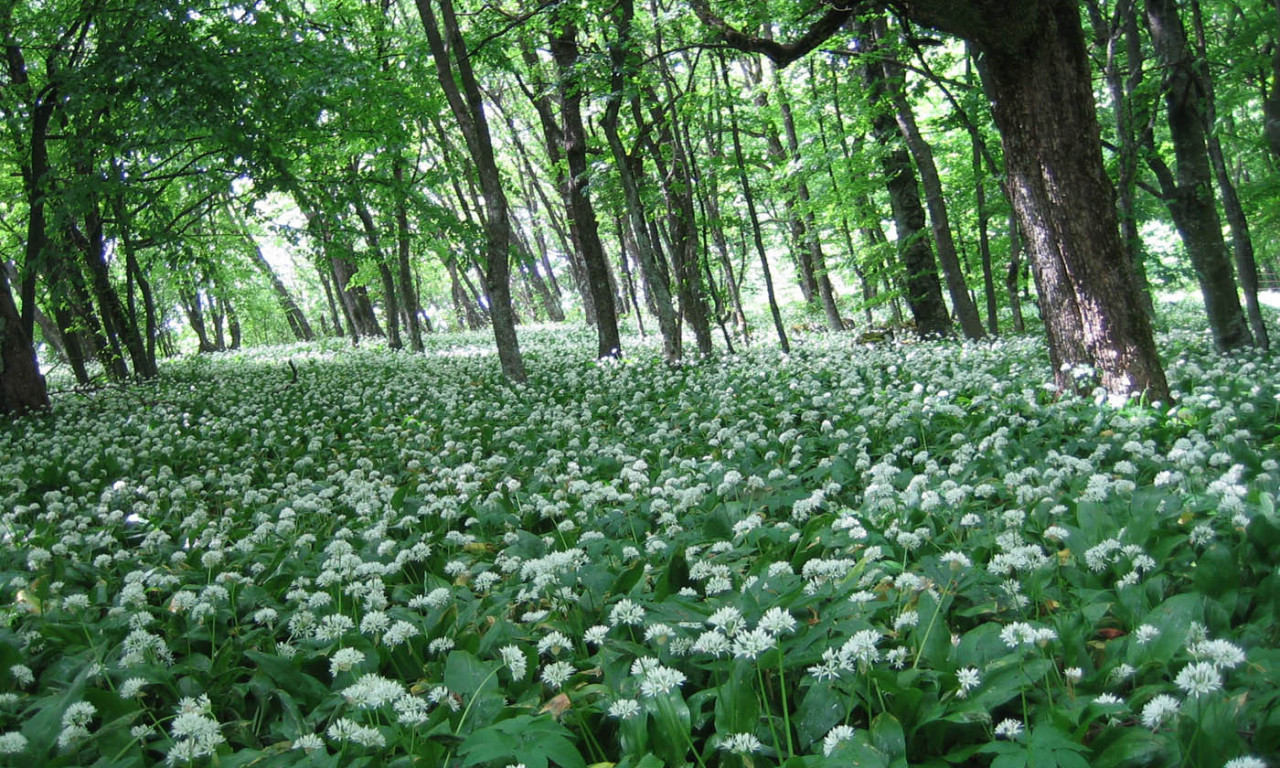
(395, 559)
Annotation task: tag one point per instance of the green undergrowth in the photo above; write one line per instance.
(890, 555)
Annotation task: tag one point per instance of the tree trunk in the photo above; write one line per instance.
(1191, 202)
(924, 291)
(564, 49)
(1271, 104)
(679, 190)
(984, 242)
(817, 259)
(451, 57)
(404, 251)
(1241, 239)
(334, 314)
(799, 250)
(939, 220)
(112, 311)
(73, 342)
(22, 387)
(553, 139)
(1011, 275)
(1042, 101)
(659, 287)
(292, 312)
(1123, 85)
(529, 267)
(1043, 105)
(392, 306)
(630, 284)
(753, 216)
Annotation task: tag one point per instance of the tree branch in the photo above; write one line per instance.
(782, 54)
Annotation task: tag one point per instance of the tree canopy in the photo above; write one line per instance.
(199, 177)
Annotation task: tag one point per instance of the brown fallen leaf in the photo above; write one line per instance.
(557, 705)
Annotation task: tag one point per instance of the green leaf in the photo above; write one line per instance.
(289, 677)
(887, 736)
(464, 674)
(629, 579)
(1135, 748)
(674, 577)
(819, 712)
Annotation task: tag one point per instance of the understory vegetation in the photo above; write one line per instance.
(880, 555)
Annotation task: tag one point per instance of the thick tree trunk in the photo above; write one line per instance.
(1194, 210)
(451, 58)
(1042, 101)
(22, 387)
(1043, 105)
(564, 49)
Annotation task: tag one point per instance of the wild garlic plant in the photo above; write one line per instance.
(872, 554)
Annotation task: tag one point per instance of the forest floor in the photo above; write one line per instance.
(885, 555)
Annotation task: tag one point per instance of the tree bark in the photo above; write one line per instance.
(1271, 104)
(564, 49)
(404, 251)
(924, 291)
(392, 307)
(817, 259)
(939, 219)
(753, 216)
(1241, 239)
(1123, 82)
(22, 387)
(659, 287)
(1039, 82)
(1190, 197)
(452, 59)
(1043, 105)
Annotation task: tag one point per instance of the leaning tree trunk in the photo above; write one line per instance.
(564, 49)
(1191, 201)
(924, 291)
(451, 58)
(1241, 239)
